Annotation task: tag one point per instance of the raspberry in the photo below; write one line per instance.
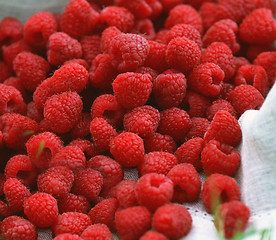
(223, 31)
(231, 218)
(183, 54)
(153, 235)
(63, 111)
(111, 171)
(97, 231)
(162, 36)
(198, 3)
(16, 193)
(219, 189)
(184, 14)
(118, 17)
(5, 72)
(5, 210)
(17, 83)
(71, 157)
(142, 120)
(11, 30)
(34, 113)
(218, 105)
(240, 61)
(154, 190)
(107, 34)
(15, 227)
(172, 220)
(254, 50)
(190, 152)
(157, 142)
(227, 88)
(81, 128)
(157, 162)
(169, 89)
(85, 146)
(68, 236)
(42, 148)
(79, 61)
(132, 222)
(175, 123)
(245, 97)
(38, 28)
(207, 15)
(224, 128)
(170, 4)
(198, 128)
(61, 48)
(128, 51)
(78, 19)
(132, 89)
(88, 182)
(145, 28)
(127, 149)
(25, 63)
(41, 209)
(220, 54)
(71, 222)
(90, 47)
(258, 27)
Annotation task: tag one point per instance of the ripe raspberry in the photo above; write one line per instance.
(71, 222)
(119, 17)
(79, 61)
(170, 4)
(198, 128)
(70, 202)
(153, 235)
(219, 189)
(41, 209)
(258, 27)
(254, 50)
(157, 162)
(17, 83)
(78, 19)
(5, 72)
(16, 193)
(128, 51)
(88, 182)
(132, 89)
(190, 152)
(198, 3)
(231, 218)
(169, 89)
(207, 15)
(183, 54)
(15, 227)
(107, 34)
(227, 88)
(175, 123)
(97, 231)
(145, 28)
(127, 149)
(42, 148)
(142, 120)
(172, 220)
(224, 128)
(245, 97)
(38, 28)
(90, 47)
(157, 142)
(11, 30)
(85, 146)
(5, 210)
(147, 70)
(162, 36)
(33, 112)
(81, 128)
(132, 222)
(240, 61)
(218, 105)
(67, 236)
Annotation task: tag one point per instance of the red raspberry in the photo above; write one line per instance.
(42, 148)
(227, 88)
(184, 14)
(78, 19)
(15, 227)
(11, 30)
(132, 222)
(71, 157)
(71, 222)
(16, 193)
(254, 50)
(224, 128)
(172, 220)
(85, 146)
(220, 158)
(231, 218)
(142, 120)
(198, 128)
(17, 83)
(17, 129)
(207, 15)
(41, 209)
(67, 236)
(219, 189)
(157, 142)
(157, 162)
(81, 128)
(162, 36)
(63, 111)
(169, 89)
(220, 54)
(245, 97)
(90, 47)
(70, 202)
(88, 182)
(175, 123)
(132, 89)
(79, 61)
(5, 210)
(111, 171)
(258, 27)
(218, 105)
(154, 190)
(127, 149)
(145, 28)
(190, 152)
(198, 3)
(5, 72)
(118, 17)
(107, 34)
(38, 28)
(33, 112)
(240, 61)
(183, 54)
(128, 51)
(170, 4)
(97, 231)
(153, 235)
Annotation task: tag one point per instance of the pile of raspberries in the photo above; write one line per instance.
(156, 85)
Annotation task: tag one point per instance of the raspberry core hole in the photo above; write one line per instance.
(216, 80)
(155, 183)
(224, 196)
